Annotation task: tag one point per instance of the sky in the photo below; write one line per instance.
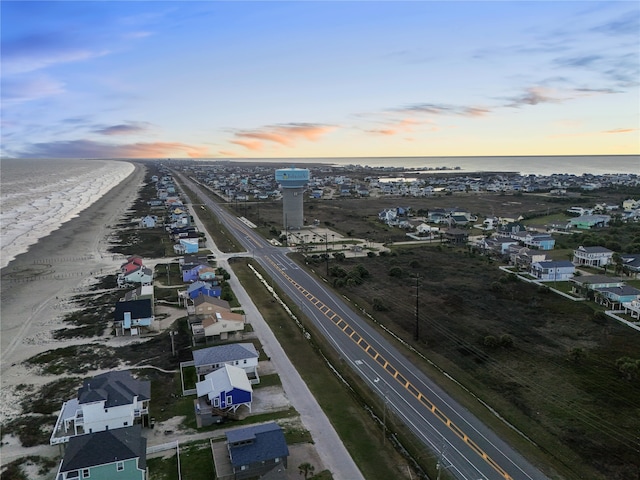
(308, 79)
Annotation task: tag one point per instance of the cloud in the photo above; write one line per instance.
(534, 96)
(627, 24)
(283, 134)
(444, 109)
(19, 89)
(400, 127)
(92, 149)
(38, 51)
(621, 130)
(123, 129)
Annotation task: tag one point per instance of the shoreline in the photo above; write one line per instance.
(36, 286)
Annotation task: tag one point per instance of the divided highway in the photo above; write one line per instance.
(467, 448)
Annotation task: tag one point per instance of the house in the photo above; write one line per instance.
(130, 315)
(198, 288)
(540, 241)
(206, 305)
(631, 263)
(426, 230)
(592, 256)
(209, 275)
(584, 284)
(242, 355)
(224, 391)
(190, 273)
(111, 454)
(187, 245)
(615, 296)
(559, 270)
(256, 450)
(524, 256)
(498, 245)
(107, 401)
(133, 271)
(143, 291)
(586, 222)
(456, 236)
(218, 326)
(148, 221)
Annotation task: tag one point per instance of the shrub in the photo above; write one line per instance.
(396, 272)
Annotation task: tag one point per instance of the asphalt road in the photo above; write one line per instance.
(467, 448)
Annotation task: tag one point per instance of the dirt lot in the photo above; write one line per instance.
(358, 217)
(486, 328)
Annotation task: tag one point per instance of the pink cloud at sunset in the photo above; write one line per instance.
(285, 134)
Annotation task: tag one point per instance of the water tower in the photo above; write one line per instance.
(292, 180)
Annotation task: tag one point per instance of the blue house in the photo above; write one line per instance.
(551, 271)
(615, 296)
(115, 454)
(225, 390)
(541, 241)
(130, 315)
(190, 273)
(199, 288)
(256, 450)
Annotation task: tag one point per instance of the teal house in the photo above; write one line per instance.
(119, 454)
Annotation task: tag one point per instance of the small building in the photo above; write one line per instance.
(219, 326)
(613, 297)
(583, 284)
(198, 288)
(554, 271)
(206, 305)
(587, 222)
(456, 236)
(243, 355)
(592, 256)
(223, 392)
(148, 221)
(111, 454)
(256, 450)
(130, 316)
(107, 401)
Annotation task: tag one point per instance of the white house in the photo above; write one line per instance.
(221, 324)
(227, 388)
(148, 221)
(105, 402)
(551, 271)
(592, 256)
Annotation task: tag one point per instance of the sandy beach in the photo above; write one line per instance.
(37, 285)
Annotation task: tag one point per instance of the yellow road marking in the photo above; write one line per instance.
(371, 351)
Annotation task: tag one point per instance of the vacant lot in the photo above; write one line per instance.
(358, 217)
(546, 364)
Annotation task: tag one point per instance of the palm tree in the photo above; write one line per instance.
(306, 469)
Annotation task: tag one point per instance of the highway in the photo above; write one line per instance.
(467, 448)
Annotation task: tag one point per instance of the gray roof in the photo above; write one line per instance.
(101, 448)
(265, 442)
(594, 249)
(115, 388)
(590, 279)
(623, 290)
(140, 308)
(555, 263)
(224, 353)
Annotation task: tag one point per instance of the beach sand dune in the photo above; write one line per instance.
(37, 286)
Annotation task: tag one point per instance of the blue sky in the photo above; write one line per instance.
(306, 79)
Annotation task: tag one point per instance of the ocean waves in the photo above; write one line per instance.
(39, 196)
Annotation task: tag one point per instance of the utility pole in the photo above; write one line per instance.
(173, 348)
(417, 335)
(326, 251)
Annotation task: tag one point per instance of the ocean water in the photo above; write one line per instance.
(524, 165)
(38, 196)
